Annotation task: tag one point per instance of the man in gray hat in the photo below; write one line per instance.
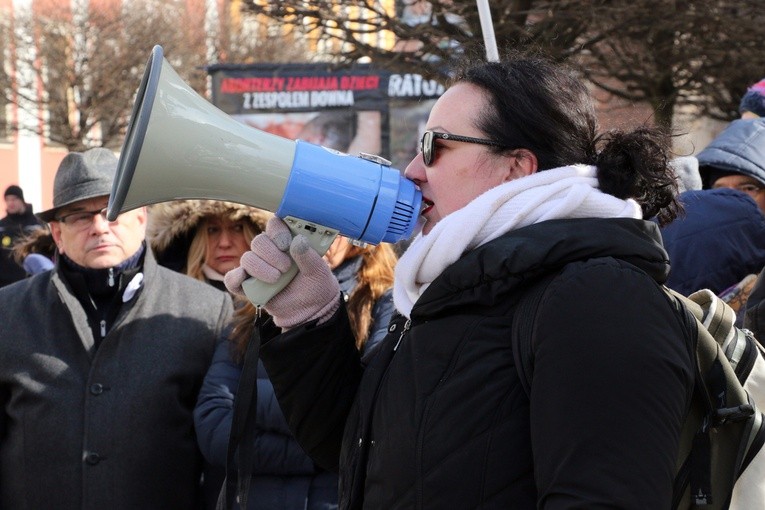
(101, 360)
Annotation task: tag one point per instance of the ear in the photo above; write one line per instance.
(142, 217)
(55, 231)
(523, 162)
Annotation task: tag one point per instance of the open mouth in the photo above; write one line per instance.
(427, 205)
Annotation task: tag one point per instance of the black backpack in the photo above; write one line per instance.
(721, 462)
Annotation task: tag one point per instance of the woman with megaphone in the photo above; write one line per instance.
(518, 188)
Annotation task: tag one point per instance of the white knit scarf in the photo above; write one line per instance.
(564, 192)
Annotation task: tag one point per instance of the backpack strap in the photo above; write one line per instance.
(739, 345)
(724, 409)
(716, 331)
(714, 314)
(240, 452)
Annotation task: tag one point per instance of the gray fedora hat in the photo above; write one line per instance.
(81, 175)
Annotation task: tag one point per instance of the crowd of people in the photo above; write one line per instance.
(384, 379)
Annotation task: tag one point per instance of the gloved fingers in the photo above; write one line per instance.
(266, 249)
(279, 233)
(263, 270)
(234, 279)
(308, 261)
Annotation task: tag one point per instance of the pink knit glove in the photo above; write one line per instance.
(312, 294)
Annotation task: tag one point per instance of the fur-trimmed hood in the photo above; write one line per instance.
(172, 225)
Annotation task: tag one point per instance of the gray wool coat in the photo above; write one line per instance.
(112, 428)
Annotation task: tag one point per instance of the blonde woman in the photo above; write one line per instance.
(284, 477)
(203, 238)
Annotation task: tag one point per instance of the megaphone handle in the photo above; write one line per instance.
(319, 237)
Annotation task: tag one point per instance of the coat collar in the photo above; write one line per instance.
(497, 268)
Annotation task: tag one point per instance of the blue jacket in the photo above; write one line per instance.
(719, 241)
(284, 477)
(740, 148)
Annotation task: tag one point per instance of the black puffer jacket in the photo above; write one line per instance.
(439, 418)
(12, 228)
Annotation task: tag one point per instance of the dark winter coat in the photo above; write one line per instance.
(719, 241)
(13, 227)
(439, 419)
(110, 428)
(284, 477)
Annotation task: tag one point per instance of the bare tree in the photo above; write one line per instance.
(667, 53)
(250, 42)
(85, 67)
(426, 34)
(700, 54)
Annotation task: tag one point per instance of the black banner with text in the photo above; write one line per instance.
(356, 109)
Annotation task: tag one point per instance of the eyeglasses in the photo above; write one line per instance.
(428, 143)
(80, 220)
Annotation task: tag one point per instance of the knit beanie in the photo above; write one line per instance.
(754, 99)
(15, 191)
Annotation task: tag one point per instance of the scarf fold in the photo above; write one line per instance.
(558, 193)
(211, 274)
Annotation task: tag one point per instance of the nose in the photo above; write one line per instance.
(415, 170)
(225, 238)
(100, 223)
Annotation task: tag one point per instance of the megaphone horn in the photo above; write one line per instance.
(180, 146)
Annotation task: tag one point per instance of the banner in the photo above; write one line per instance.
(355, 109)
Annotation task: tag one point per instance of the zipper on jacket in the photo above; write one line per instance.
(111, 277)
(103, 328)
(407, 324)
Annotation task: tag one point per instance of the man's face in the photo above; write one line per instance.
(91, 241)
(14, 205)
(746, 184)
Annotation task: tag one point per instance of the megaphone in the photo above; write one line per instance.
(179, 146)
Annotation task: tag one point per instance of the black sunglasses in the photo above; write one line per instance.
(428, 143)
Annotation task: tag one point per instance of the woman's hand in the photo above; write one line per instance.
(312, 294)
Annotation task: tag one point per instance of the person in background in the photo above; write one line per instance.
(36, 252)
(718, 244)
(518, 186)
(752, 103)
(19, 221)
(754, 314)
(687, 170)
(203, 239)
(101, 360)
(736, 159)
(283, 476)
